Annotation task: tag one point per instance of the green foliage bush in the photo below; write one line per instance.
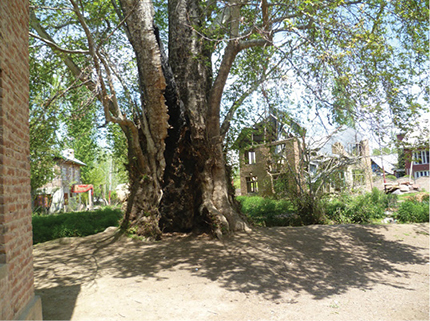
(306, 202)
(336, 210)
(360, 209)
(344, 209)
(50, 227)
(309, 208)
(413, 211)
(267, 212)
(341, 210)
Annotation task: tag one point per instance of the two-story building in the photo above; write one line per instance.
(56, 194)
(270, 151)
(262, 164)
(416, 155)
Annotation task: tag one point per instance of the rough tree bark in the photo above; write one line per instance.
(147, 169)
(195, 189)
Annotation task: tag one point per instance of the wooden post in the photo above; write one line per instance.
(90, 199)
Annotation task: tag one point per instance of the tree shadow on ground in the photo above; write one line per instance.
(58, 302)
(320, 260)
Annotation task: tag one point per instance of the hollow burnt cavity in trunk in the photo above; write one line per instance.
(181, 184)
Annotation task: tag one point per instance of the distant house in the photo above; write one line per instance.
(416, 155)
(265, 149)
(347, 148)
(417, 162)
(56, 194)
(262, 164)
(385, 163)
(272, 148)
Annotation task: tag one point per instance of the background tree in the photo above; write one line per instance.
(45, 88)
(80, 132)
(353, 58)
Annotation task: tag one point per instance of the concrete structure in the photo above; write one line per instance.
(17, 299)
(263, 161)
(261, 165)
(357, 172)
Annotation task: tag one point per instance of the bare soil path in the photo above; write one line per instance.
(344, 272)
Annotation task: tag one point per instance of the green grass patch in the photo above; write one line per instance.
(50, 227)
(267, 212)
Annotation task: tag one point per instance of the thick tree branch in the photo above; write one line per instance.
(76, 71)
(140, 22)
(233, 48)
(265, 14)
(215, 95)
(111, 112)
(54, 45)
(110, 102)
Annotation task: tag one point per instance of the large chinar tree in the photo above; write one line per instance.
(354, 57)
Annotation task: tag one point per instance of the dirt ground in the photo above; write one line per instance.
(343, 272)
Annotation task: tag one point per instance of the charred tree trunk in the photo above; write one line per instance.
(195, 191)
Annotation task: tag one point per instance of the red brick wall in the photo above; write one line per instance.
(16, 258)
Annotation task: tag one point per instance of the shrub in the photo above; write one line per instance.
(336, 210)
(309, 209)
(364, 208)
(413, 211)
(305, 210)
(391, 177)
(50, 227)
(360, 209)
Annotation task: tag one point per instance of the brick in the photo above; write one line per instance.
(15, 213)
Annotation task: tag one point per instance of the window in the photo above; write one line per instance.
(280, 149)
(421, 174)
(251, 184)
(278, 155)
(313, 169)
(421, 157)
(355, 149)
(250, 157)
(64, 173)
(358, 177)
